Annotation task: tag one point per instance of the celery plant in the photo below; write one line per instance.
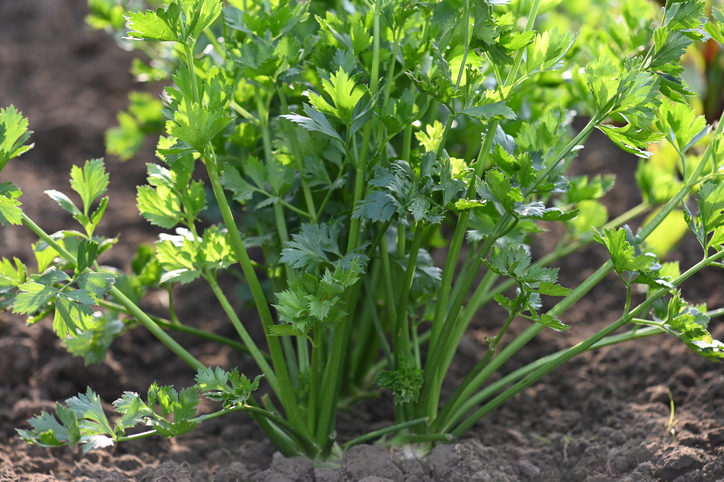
(345, 141)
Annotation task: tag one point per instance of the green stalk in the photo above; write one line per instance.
(483, 294)
(379, 433)
(581, 290)
(500, 229)
(477, 368)
(361, 164)
(261, 416)
(519, 54)
(434, 372)
(451, 114)
(308, 198)
(498, 385)
(401, 239)
(287, 397)
(314, 379)
(398, 273)
(189, 50)
(459, 236)
(189, 330)
(134, 310)
(217, 46)
(715, 313)
(512, 348)
(387, 283)
(378, 325)
(407, 143)
(485, 287)
(422, 438)
(292, 357)
(401, 333)
(585, 132)
(254, 351)
(576, 350)
(263, 112)
(331, 379)
(157, 331)
(466, 49)
(388, 85)
(367, 337)
(458, 239)
(171, 308)
(300, 438)
(416, 345)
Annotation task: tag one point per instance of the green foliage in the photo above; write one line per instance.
(630, 263)
(315, 301)
(10, 212)
(13, 134)
(180, 21)
(53, 289)
(532, 282)
(82, 421)
(94, 343)
(90, 182)
(689, 323)
(344, 153)
(317, 245)
(707, 224)
(144, 117)
(405, 382)
(230, 388)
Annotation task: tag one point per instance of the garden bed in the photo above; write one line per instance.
(605, 416)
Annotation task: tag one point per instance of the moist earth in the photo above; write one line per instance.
(605, 416)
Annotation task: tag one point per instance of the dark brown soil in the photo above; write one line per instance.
(603, 417)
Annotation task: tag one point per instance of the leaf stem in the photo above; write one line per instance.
(384, 431)
(254, 351)
(331, 380)
(314, 379)
(189, 330)
(575, 350)
(401, 333)
(287, 397)
(308, 198)
(429, 397)
(494, 387)
(492, 347)
(579, 292)
(520, 53)
(134, 310)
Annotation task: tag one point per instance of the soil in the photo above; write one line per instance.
(602, 417)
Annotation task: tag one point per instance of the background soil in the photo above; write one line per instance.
(602, 417)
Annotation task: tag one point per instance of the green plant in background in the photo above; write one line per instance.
(345, 142)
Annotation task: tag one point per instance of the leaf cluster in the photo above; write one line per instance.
(167, 412)
(315, 301)
(533, 281)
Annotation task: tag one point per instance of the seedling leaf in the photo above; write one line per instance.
(13, 134)
(90, 182)
(10, 212)
(230, 388)
(160, 206)
(151, 25)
